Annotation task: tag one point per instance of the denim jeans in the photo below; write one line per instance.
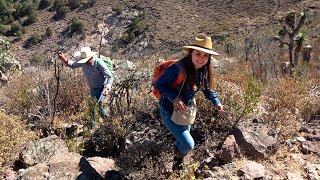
(184, 141)
(97, 94)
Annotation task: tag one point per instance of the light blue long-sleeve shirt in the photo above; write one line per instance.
(97, 74)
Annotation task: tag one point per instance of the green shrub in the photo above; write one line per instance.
(118, 10)
(58, 4)
(49, 32)
(37, 59)
(74, 4)
(33, 40)
(61, 12)
(45, 3)
(77, 26)
(4, 28)
(33, 17)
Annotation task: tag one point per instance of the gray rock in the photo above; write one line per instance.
(255, 139)
(42, 150)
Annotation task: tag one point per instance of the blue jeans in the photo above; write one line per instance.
(184, 141)
(97, 94)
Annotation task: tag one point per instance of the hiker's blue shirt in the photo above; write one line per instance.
(97, 74)
(168, 94)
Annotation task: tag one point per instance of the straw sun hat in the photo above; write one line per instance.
(84, 55)
(201, 43)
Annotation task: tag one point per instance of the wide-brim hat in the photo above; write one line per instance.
(84, 55)
(201, 43)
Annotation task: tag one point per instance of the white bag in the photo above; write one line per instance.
(186, 117)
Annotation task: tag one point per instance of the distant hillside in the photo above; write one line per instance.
(167, 25)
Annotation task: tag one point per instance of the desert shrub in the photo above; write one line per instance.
(263, 54)
(45, 3)
(74, 4)
(118, 10)
(31, 95)
(49, 32)
(15, 27)
(37, 59)
(13, 134)
(32, 18)
(4, 28)
(33, 40)
(77, 26)
(58, 4)
(311, 104)
(283, 99)
(61, 12)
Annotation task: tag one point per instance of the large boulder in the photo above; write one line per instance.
(255, 139)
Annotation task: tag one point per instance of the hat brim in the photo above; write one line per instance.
(187, 48)
(83, 60)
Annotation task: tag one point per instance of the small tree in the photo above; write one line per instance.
(295, 39)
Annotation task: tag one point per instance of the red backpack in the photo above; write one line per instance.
(159, 70)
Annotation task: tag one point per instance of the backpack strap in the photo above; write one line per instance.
(184, 80)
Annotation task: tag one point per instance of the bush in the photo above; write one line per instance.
(74, 4)
(77, 26)
(58, 4)
(13, 134)
(118, 10)
(45, 3)
(33, 17)
(37, 59)
(33, 40)
(61, 12)
(49, 32)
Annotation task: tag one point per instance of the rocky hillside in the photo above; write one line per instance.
(269, 130)
(167, 25)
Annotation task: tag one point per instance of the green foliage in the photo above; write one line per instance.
(251, 96)
(61, 12)
(37, 59)
(49, 32)
(33, 17)
(45, 3)
(118, 10)
(77, 26)
(58, 4)
(74, 4)
(33, 40)
(4, 28)
(135, 29)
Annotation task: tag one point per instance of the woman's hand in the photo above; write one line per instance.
(179, 104)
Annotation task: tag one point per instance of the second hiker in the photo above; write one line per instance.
(97, 74)
(198, 69)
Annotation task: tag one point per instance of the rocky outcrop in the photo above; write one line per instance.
(49, 158)
(255, 139)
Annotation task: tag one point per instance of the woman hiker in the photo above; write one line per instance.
(198, 69)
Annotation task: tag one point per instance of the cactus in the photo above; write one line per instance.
(295, 38)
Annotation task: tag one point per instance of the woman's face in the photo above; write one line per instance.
(199, 58)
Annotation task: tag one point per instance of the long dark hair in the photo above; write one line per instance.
(207, 69)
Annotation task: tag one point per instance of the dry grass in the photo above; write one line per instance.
(13, 135)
